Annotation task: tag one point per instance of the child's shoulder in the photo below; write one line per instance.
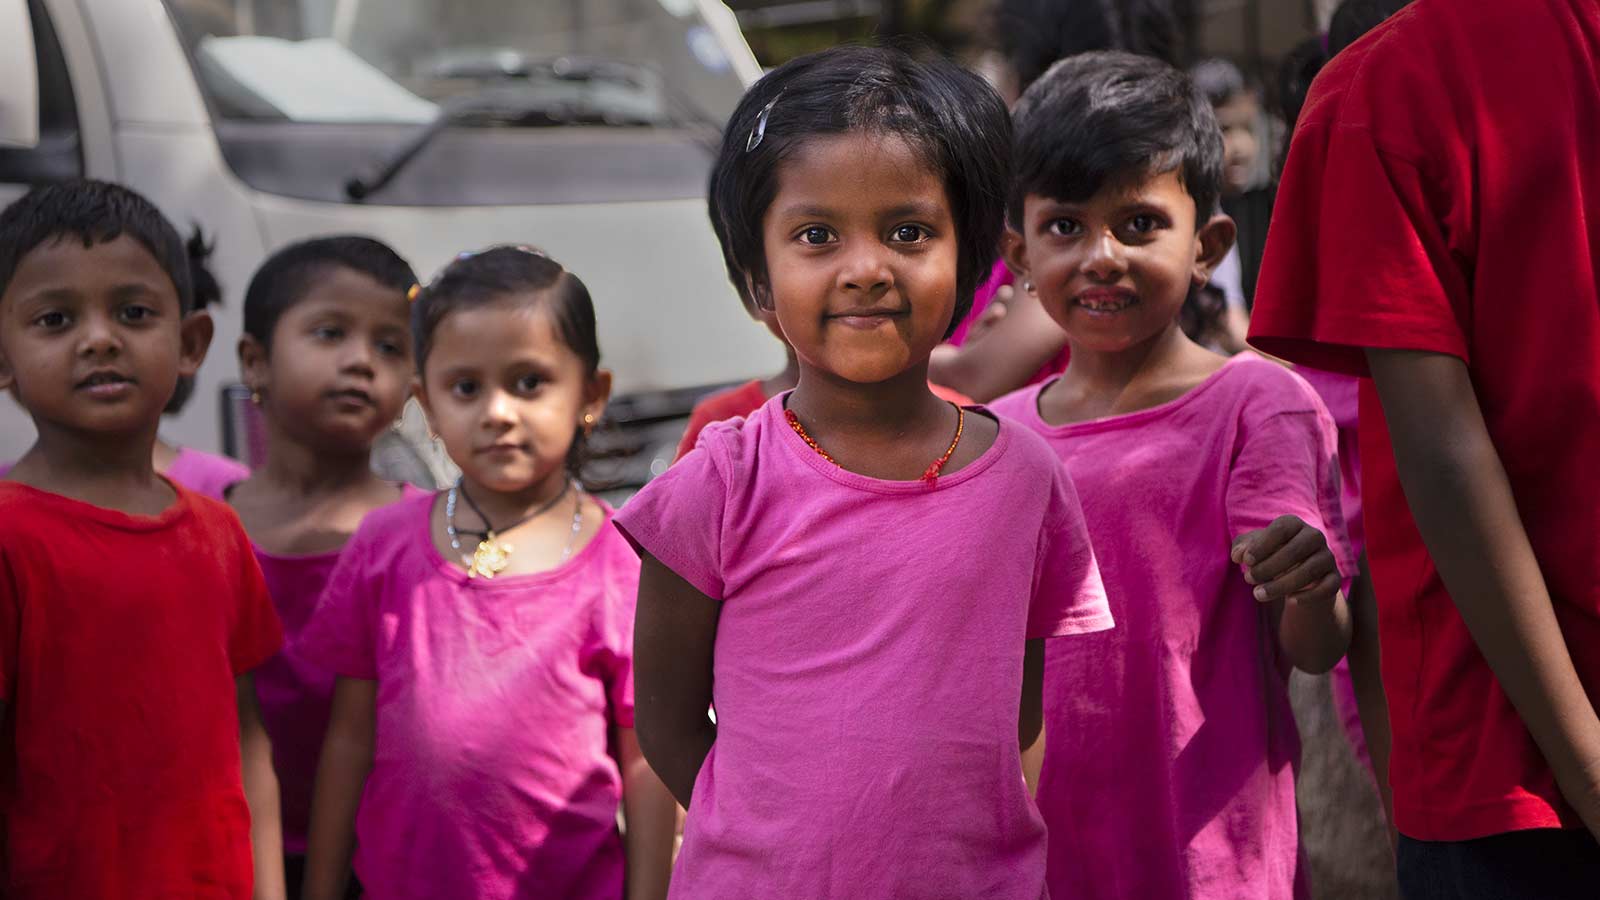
(1021, 405)
(396, 522)
(1260, 387)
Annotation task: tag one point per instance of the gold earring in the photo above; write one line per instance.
(588, 422)
(255, 397)
(1027, 286)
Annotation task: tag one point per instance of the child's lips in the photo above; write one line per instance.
(867, 319)
(106, 385)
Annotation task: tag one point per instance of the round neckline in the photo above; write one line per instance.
(1128, 418)
(856, 480)
(115, 518)
(459, 575)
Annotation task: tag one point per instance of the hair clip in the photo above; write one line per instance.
(412, 292)
(760, 129)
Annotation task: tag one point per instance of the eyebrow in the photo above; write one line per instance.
(912, 208)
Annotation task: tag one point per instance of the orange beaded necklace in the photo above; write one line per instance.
(930, 475)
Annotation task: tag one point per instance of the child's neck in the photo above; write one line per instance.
(298, 469)
(505, 508)
(110, 471)
(887, 410)
(785, 380)
(1097, 384)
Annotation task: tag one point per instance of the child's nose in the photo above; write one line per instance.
(99, 337)
(498, 408)
(865, 268)
(1105, 257)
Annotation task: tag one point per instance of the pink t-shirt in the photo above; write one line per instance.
(1170, 750)
(491, 778)
(868, 662)
(295, 693)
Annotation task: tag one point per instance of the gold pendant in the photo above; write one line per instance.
(490, 559)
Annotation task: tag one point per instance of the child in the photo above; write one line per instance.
(1171, 750)
(326, 354)
(131, 610)
(859, 575)
(482, 727)
(1440, 235)
(199, 471)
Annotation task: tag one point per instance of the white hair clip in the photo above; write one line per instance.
(760, 130)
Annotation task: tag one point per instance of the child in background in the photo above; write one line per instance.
(1238, 113)
(131, 610)
(481, 737)
(860, 575)
(1170, 750)
(201, 472)
(326, 354)
(1440, 235)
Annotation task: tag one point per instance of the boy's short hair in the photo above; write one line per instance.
(1101, 119)
(287, 275)
(948, 115)
(94, 212)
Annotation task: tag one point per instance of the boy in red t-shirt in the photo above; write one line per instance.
(131, 610)
(1437, 229)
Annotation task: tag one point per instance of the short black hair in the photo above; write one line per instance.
(94, 212)
(1034, 34)
(951, 117)
(500, 274)
(1218, 79)
(207, 292)
(287, 276)
(1099, 119)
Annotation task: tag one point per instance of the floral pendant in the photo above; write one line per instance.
(490, 559)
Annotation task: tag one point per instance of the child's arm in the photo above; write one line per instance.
(1003, 357)
(1030, 721)
(674, 631)
(651, 816)
(341, 776)
(261, 793)
(1293, 569)
(1367, 679)
(1461, 499)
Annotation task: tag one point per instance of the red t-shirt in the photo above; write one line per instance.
(1442, 194)
(120, 639)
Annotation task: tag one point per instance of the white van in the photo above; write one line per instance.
(585, 127)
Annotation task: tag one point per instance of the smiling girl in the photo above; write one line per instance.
(860, 575)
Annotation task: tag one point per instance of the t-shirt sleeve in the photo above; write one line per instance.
(256, 633)
(1287, 464)
(342, 633)
(1359, 256)
(1068, 597)
(677, 518)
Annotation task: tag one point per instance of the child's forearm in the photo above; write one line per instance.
(651, 816)
(1461, 500)
(1366, 678)
(261, 793)
(342, 771)
(1314, 633)
(676, 751)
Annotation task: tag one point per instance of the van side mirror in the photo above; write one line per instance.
(19, 78)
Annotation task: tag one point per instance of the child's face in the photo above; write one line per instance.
(1113, 271)
(340, 365)
(506, 395)
(861, 251)
(1237, 119)
(93, 339)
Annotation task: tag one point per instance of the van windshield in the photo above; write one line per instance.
(637, 63)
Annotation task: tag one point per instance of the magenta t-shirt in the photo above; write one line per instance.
(1171, 750)
(491, 777)
(868, 662)
(295, 693)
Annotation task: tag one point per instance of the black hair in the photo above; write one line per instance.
(1218, 79)
(1351, 19)
(497, 275)
(94, 212)
(1098, 119)
(948, 115)
(1034, 34)
(207, 292)
(287, 276)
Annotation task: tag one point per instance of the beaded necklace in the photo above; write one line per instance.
(930, 475)
(492, 554)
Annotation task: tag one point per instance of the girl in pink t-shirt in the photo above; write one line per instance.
(859, 576)
(326, 354)
(481, 739)
(1210, 487)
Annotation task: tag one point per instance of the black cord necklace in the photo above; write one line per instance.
(492, 556)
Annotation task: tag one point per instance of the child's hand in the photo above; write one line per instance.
(1287, 559)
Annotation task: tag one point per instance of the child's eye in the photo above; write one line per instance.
(1144, 224)
(465, 390)
(391, 348)
(527, 384)
(1063, 227)
(327, 333)
(815, 235)
(911, 234)
(51, 320)
(136, 313)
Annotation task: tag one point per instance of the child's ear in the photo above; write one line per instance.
(1014, 250)
(421, 395)
(759, 293)
(1211, 245)
(195, 333)
(595, 396)
(7, 377)
(252, 362)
